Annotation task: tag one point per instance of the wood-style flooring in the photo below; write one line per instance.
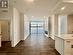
(36, 44)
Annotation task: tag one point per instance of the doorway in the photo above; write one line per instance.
(5, 32)
(36, 27)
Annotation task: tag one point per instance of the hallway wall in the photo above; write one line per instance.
(26, 27)
(56, 24)
(52, 30)
(15, 27)
(6, 14)
(21, 26)
(46, 24)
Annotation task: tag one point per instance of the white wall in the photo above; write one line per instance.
(22, 26)
(52, 31)
(46, 23)
(56, 24)
(26, 27)
(15, 27)
(7, 15)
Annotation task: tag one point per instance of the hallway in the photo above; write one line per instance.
(36, 44)
(36, 27)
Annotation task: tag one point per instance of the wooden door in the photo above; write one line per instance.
(5, 30)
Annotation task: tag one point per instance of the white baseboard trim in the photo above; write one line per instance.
(13, 45)
(26, 37)
(46, 35)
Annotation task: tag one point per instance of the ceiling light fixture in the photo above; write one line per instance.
(63, 8)
(44, 16)
(30, 0)
(32, 16)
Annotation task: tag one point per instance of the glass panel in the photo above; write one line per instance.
(40, 30)
(33, 30)
(37, 27)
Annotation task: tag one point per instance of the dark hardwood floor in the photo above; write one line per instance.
(34, 45)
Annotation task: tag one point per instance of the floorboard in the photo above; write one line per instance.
(35, 44)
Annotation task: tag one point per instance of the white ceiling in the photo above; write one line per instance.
(43, 7)
(37, 8)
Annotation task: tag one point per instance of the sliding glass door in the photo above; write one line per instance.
(37, 27)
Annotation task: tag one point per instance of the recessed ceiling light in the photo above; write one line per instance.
(44, 16)
(63, 8)
(32, 16)
(30, 0)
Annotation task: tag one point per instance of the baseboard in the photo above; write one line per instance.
(16, 44)
(27, 37)
(20, 41)
(46, 35)
(5, 41)
(57, 52)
